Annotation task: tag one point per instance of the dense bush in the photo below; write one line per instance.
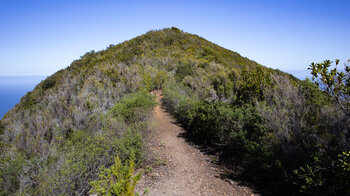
(285, 134)
(48, 83)
(132, 107)
(73, 160)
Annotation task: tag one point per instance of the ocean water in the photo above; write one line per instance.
(12, 88)
(300, 74)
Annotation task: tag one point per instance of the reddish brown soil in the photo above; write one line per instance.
(182, 169)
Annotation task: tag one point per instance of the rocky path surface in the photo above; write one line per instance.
(182, 169)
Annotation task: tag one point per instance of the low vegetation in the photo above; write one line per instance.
(119, 179)
(70, 163)
(283, 135)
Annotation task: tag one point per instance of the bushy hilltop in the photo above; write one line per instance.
(38, 136)
(277, 132)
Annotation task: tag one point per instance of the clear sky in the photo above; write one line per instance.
(42, 37)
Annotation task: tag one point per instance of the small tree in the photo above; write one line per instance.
(333, 82)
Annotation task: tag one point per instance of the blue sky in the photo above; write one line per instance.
(42, 37)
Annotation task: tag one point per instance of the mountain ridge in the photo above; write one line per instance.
(134, 43)
(265, 124)
(77, 97)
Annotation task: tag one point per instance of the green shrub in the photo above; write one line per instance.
(252, 85)
(210, 55)
(183, 71)
(119, 179)
(344, 164)
(131, 143)
(2, 127)
(49, 82)
(132, 107)
(10, 167)
(279, 130)
(28, 100)
(175, 29)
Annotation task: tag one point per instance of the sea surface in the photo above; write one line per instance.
(12, 88)
(300, 74)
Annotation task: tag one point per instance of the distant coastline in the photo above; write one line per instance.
(12, 88)
(300, 74)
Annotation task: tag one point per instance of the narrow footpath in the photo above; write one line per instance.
(182, 170)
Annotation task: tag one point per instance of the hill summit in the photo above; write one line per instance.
(35, 132)
(90, 121)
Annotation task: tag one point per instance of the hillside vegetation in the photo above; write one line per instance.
(274, 130)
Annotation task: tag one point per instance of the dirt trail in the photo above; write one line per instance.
(186, 171)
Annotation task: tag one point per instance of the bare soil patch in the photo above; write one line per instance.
(180, 168)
